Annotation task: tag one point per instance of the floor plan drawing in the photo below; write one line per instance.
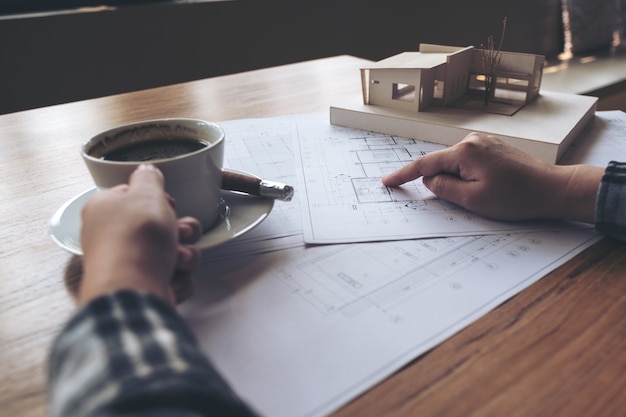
(350, 182)
(343, 200)
(298, 332)
(301, 331)
(391, 273)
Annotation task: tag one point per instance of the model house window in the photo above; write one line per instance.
(403, 92)
(438, 90)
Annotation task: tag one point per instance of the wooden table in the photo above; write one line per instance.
(557, 348)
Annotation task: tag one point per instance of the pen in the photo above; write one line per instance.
(255, 186)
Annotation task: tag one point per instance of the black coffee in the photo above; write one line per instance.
(154, 149)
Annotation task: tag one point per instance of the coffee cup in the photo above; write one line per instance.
(189, 152)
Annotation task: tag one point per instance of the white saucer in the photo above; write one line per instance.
(244, 213)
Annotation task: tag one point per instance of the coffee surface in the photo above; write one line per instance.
(154, 149)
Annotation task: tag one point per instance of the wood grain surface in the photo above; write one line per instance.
(556, 349)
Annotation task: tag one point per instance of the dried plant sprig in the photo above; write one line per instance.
(491, 57)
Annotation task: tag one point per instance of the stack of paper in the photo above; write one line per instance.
(301, 329)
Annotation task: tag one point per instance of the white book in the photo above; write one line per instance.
(544, 128)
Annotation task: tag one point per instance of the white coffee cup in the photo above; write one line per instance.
(189, 152)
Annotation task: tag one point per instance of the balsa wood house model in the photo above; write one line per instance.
(446, 75)
(438, 95)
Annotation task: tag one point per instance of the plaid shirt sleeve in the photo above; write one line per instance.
(611, 202)
(130, 354)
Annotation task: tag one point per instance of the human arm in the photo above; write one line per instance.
(126, 351)
(493, 179)
(611, 202)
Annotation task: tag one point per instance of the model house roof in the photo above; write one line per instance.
(429, 56)
(411, 60)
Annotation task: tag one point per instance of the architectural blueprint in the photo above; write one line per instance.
(300, 331)
(342, 198)
(265, 147)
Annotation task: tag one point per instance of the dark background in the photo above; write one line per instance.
(52, 58)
